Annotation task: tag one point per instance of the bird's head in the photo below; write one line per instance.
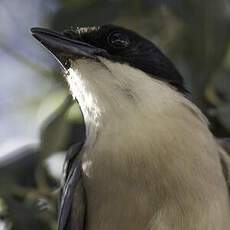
(114, 73)
(114, 43)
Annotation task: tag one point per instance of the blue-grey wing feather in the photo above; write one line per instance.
(225, 159)
(71, 189)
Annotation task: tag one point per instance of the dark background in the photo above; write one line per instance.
(38, 121)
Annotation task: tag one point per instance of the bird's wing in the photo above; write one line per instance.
(225, 143)
(72, 189)
(225, 158)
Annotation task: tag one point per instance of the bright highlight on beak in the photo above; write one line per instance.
(65, 48)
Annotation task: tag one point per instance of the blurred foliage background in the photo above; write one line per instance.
(38, 120)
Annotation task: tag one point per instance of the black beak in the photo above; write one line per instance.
(65, 48)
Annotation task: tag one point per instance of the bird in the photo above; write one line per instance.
(149, 160)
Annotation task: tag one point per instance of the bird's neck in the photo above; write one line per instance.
(116, 98)
(82, 91)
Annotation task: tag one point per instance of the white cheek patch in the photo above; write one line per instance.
(81, 78)
(78, 87)
(80, 90)
(73, 78)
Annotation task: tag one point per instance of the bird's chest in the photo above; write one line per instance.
(114, 190)
(103, 165)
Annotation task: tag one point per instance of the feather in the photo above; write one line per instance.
(72, 187)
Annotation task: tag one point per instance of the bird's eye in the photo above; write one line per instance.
(118, 40)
